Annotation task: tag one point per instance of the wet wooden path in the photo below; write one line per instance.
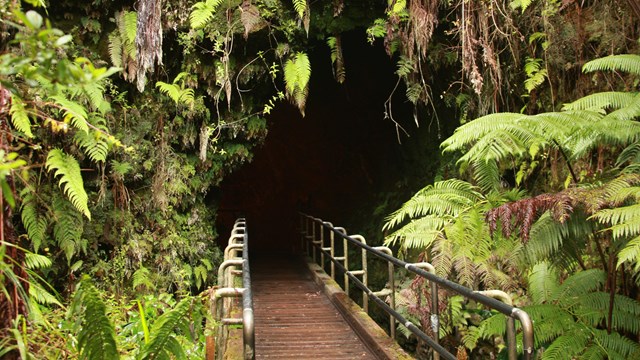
(293, 317)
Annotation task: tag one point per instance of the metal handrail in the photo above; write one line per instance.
(491, 299)
(239, 240)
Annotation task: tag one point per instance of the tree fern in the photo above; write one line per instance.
(628, 63)
(96, 338)
(297, 72)
(20, 117)
(163, 343)
(202, 12)
(70, 179)
(449, 197)
(602, 101)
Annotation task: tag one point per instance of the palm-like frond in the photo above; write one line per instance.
(628, 63)
(602, 101)
(443, 198)
(542, 282)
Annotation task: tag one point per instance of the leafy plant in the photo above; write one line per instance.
(297, 72)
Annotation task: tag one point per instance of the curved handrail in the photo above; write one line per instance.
(239, 240)
(310, 233)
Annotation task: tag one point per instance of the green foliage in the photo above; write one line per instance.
(628, 63)
(96, 338)
(163, 344)
(71, 180)
(202, 12)
(536, 74)
(297, 72)
(177, 92)
(33, 220)
(20, 117)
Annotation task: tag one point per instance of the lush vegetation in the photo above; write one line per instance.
(118, 117)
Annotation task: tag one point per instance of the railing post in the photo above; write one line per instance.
(511, 324)
(435, 310)
(392, 290)
(363, 272)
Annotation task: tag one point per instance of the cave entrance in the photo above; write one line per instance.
(325, 163)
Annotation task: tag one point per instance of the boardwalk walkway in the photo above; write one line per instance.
(294, 319)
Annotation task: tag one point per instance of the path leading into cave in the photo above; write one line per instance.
(294, 319)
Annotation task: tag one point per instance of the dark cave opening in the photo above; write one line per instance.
(326, 163)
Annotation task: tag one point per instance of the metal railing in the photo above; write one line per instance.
(313, 234)
(221, 304)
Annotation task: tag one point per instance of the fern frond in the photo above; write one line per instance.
(603, 100)
(579, 284)
(34, 222)
(73, 112)
(94, 144)
(543, 281)
(115, 49)
(20, 117)
(36, 261)
(420, 233)
(567, 346)
(300, 6)
(449, 197)
(630, 253)
(202, 12)
(487, 175)
(67, 230)
(161, 344)
(625, 220)
(545, 238)
(129, 27)
(96, 339)
(615, 343)
(297, 72)
(42, 296)
(629, 112)
(625, 63)
(142, 277)
(71, 180)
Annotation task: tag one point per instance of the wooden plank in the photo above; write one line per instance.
(293, 317)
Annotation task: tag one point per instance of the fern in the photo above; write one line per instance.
(297, 72)
(626, 63)
(449, 197)
(202, 12)
(94, 143)
(67, 230)
(536, 75)
(602, 101)
(96, 339)
(177, 92)
(34, 222)
(300, 7)
(73, 112)
(20, 117)
(142, 277)
(163, 341)
(70, 180)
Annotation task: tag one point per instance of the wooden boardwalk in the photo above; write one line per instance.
(293, 317)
